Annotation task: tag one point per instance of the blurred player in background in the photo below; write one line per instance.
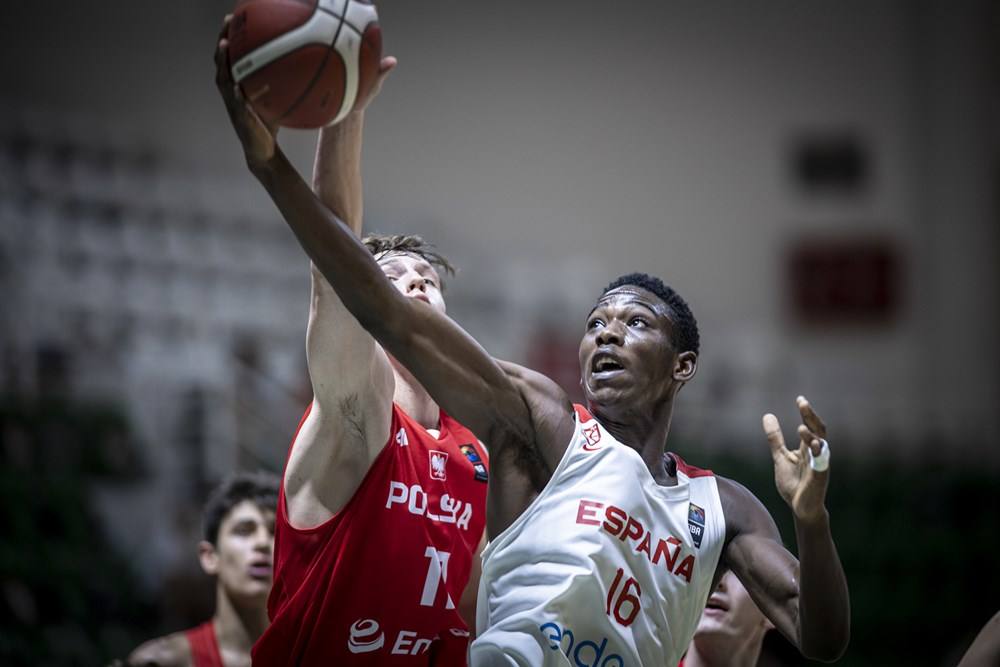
(383, 502)
(731, 630)
(587, 512)
(238, 524)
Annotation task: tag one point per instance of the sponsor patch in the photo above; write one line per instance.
(481, 475)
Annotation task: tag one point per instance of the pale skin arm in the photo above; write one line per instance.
(351, 377)
(806, 599)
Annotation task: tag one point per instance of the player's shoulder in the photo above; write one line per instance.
(744, 511)
(537, 387)
(171, 650)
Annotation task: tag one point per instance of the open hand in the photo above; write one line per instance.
(258, 139)
(803, 488)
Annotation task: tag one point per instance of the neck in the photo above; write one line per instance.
(716, 652)
(238, 624)
(411, 396)
(644, 431)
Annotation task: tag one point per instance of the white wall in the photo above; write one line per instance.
(554, 143)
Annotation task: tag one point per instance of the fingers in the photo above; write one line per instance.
(387, 65)
(809, 439)
(774, 437)
(810, 418)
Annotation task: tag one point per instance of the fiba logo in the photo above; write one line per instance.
(438, 461)
(365, 636)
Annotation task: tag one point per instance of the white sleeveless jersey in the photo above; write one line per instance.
(606, 568)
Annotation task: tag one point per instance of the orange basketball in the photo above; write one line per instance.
(304, 63)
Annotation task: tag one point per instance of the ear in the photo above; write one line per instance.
(209, 557)
(685, 366)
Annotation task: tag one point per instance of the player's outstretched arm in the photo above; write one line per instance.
(454, 369)
(806, 599)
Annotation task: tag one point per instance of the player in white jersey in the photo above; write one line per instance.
(603, 543)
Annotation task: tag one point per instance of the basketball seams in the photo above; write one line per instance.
(297, 97)
(316, 75)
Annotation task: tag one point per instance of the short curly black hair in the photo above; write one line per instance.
(685, 337)
(260, 488)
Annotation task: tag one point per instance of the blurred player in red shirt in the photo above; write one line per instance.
(236, 549)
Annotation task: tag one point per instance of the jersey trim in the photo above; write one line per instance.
(689, 470)
(204, 645)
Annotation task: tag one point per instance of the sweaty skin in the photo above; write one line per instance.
(528, 420)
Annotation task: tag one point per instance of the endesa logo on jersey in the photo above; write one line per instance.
(593, 437)
(367, 638)
(438, 462)
(580, 652)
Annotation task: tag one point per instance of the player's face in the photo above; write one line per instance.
(413, 276)
(241, 557)
(626, 353)
(731, 613)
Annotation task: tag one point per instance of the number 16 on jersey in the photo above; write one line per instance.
(621, 601)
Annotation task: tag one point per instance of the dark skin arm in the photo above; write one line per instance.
(805, 599)
(464, 380)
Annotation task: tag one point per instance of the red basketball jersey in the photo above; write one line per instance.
(379, 583)
(204, 645)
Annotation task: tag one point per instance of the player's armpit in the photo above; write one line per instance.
(551, 411)
(755, 554)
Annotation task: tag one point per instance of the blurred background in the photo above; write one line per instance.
(819, 180)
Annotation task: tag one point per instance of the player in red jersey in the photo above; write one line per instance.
(383, 500)
(239, 535)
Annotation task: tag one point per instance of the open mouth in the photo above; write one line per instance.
(260, 570)
(716, 604)
(605, 364)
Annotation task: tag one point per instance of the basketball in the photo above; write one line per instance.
(304, 63)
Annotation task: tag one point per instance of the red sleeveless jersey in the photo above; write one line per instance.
(379, 583)
(204, 645)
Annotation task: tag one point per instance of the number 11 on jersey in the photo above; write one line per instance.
(437, 572)
(617, 606)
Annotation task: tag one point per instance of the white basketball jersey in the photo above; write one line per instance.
(606, 568)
